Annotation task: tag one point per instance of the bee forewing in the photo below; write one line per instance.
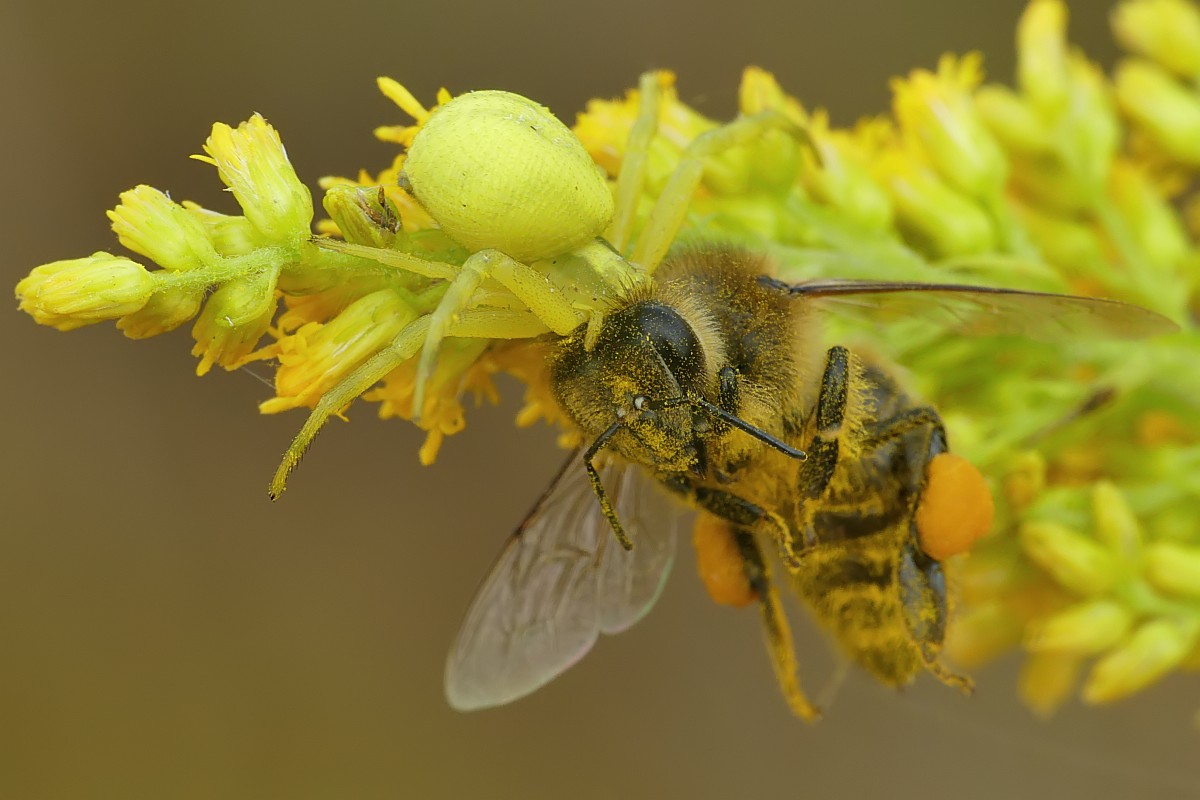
(991, 311)
(561, 581)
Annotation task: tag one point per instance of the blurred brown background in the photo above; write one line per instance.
(166, 632)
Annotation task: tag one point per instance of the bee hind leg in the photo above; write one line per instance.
(922, 585)
(775, 627)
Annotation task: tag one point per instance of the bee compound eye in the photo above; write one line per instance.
(956, 507)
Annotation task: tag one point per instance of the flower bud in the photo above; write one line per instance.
(1167, 31)
(1064, 240)
(230, 236)
(77, 292)
(1116, 524)
(1042, 54)
(315, 358)
(935, 216)
(1013, 121)
(1083, 629)
(364, 215)
(842, 179)
(1169, 113)
(1074, 560)
(497, 170)
(1152, 651)
(1151, 217)
(150, 223)
(166, 310)
(1047, 679)
(1174, 568)
(937, 112)
(233, 320)
(253, 164)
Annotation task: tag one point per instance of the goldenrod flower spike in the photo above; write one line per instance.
(70, 294)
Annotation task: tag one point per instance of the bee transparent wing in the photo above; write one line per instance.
(561, 580)
(989, 311)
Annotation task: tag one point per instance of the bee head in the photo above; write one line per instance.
(646, 360)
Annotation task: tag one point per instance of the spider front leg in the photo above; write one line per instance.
(532, 288)
(671, 207)
(484, 323)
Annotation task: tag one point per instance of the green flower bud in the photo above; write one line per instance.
(231, 236)
(235, 317)
(81, 291)
(1150, 216)
(1074, 560)
(1047, 680)
(363, 215)
(1174, 568)
(1168, 112)
(1116, 524)
(934, 215)
(1152, 651)
(1042, 54)
(1013, 121)
(1083, 629)
(937, 111)
(1167, 31)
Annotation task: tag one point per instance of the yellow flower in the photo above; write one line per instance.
(235, 317)
(1167, 31)
(442, 414)
(150, 223)
(317, 356)
(398, 94)
(81, 291)
(252, 162)
(937, 112)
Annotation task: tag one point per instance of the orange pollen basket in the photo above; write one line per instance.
(720, 563)
(956, 508)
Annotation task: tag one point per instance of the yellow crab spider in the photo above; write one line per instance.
(511, 183)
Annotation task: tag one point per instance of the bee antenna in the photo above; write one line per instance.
(740, 424)
(598, 487)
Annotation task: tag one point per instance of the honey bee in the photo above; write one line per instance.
(707, 386)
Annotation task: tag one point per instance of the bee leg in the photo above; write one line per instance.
(823, 450)
(530, 286)
(775, 626)
(921, 579)
(923, 597)
(671, 207)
